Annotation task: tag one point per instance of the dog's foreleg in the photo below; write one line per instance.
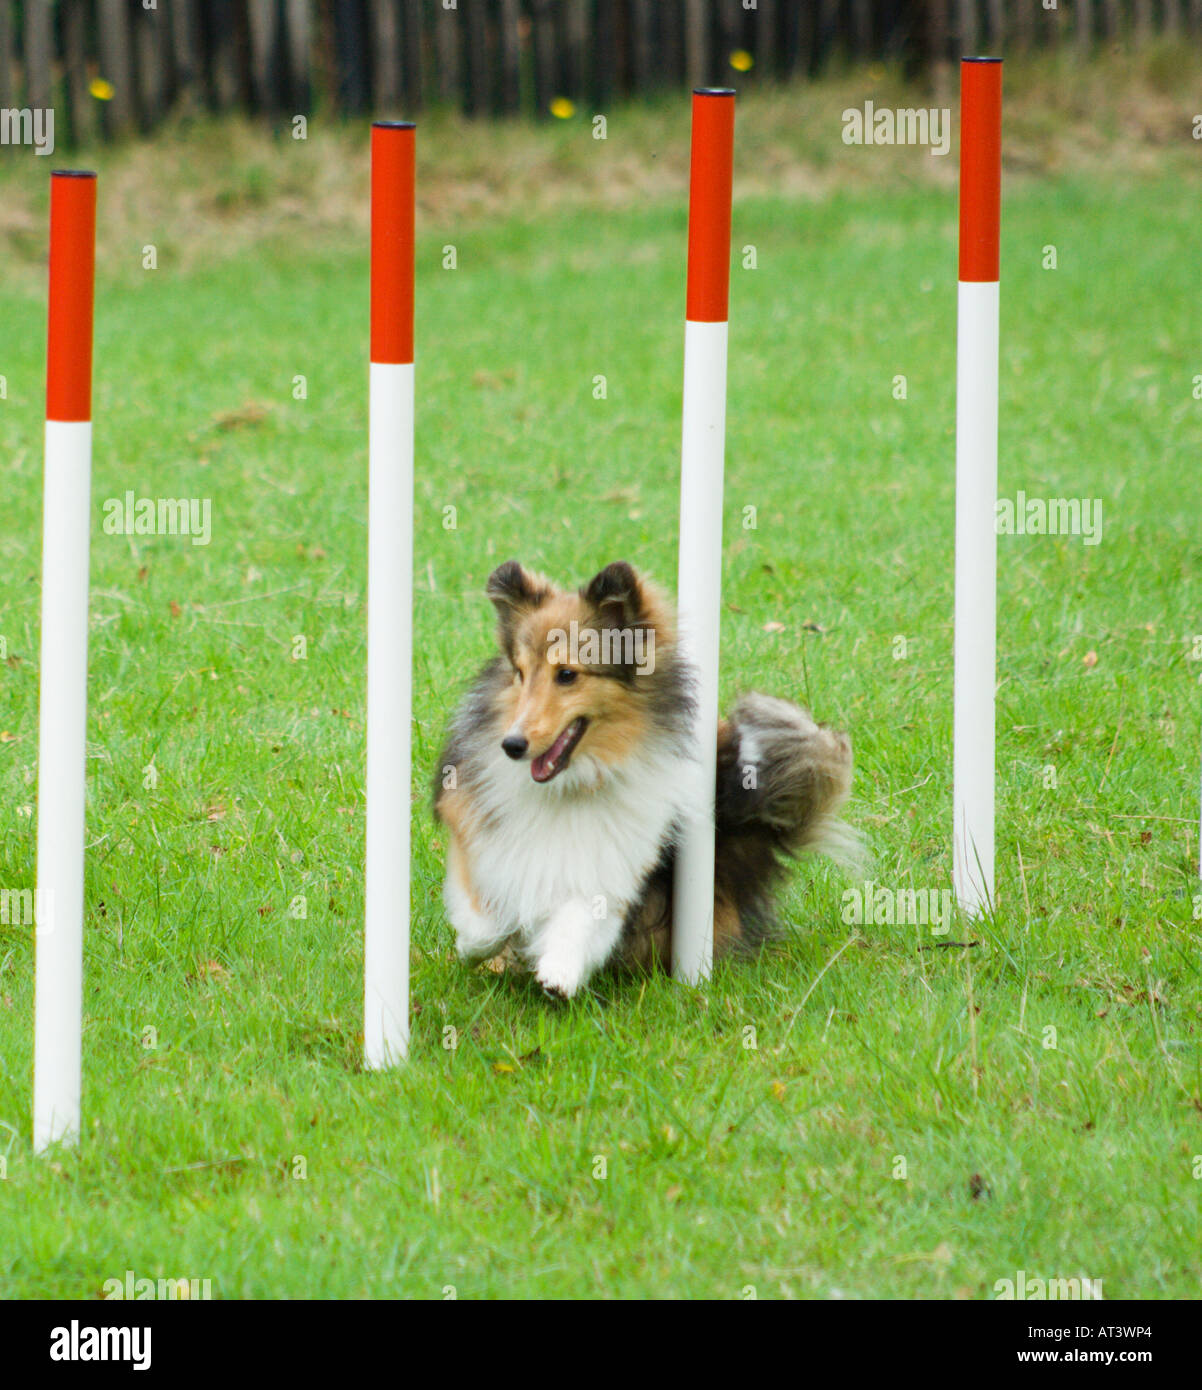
(574, 943)
(477, 935)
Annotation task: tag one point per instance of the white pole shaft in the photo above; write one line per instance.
(62, 734)
(389, 712)
(699, 586)
(976, 594)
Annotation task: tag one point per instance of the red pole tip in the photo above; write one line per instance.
(72, 282)
(980, 167)
(710, 174)
(393, 156)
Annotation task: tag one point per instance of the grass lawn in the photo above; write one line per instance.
(854, 1113)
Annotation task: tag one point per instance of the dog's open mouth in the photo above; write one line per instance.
(556, 758)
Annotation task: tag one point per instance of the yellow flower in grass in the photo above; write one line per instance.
(741, 60)
(100, 89)
(562, 108)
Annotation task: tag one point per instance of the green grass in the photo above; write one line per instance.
(752, 1132)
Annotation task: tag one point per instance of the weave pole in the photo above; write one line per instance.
(389, 596)
(63, 670)
(703, 442)
(976, 482)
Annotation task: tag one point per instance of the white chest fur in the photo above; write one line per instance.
(591, 835)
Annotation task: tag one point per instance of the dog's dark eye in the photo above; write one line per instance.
(517, 674)
(565, 676)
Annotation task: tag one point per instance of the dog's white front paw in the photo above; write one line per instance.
(560, 971)
(572, 945)
(477, 936)
(471, 951)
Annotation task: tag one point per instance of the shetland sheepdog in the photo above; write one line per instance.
(567, 774)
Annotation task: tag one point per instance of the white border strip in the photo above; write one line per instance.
(389, 713)
(976, 595)
(62, 771)
(699, 589)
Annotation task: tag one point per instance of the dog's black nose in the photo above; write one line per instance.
(515, 745)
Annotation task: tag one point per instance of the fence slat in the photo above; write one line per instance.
(861, 29)
(1029, 14)
(605, 57)
(969, 27)
(1143, 21)
(385, 20)
(152, 60)
(767, 40)
(39, 25)
(669, 46)
(479, 86)
(545, 76)
(186, 49)
(574, 41)
(411, 54)
(116, 66)
(324, 66)
(220, 42)
(351, 44)
(81, 112)
(696, 47)
(938, 32)
(510, 43)
(797, 40)
(298, 46)
(996, 13)
(641, 61)
(826, 33)
(1084, 33)
(730, 22)
(7, 94)
(448, 38)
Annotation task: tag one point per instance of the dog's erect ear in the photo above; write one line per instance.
(513, 591)
(511, 587)
(617, 595)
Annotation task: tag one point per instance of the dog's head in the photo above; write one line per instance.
(584, 665)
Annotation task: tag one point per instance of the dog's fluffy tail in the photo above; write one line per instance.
(782, 780)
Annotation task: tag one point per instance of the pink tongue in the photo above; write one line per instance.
(547, 764)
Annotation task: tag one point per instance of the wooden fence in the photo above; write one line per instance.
(118, 66)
